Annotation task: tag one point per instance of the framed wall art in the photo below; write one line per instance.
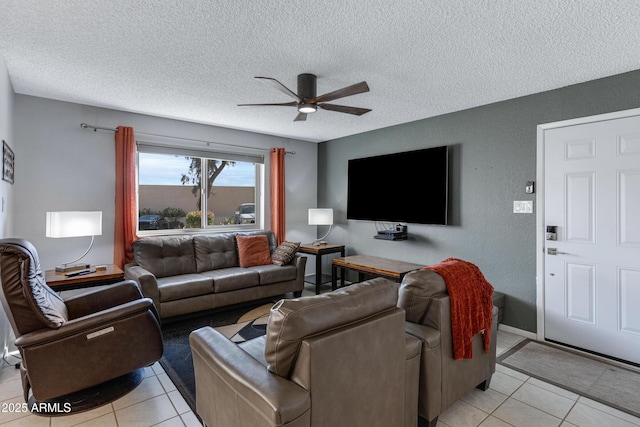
(8, 162)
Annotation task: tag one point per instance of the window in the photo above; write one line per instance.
(176, 185)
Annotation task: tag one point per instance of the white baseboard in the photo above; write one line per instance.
(516, 331)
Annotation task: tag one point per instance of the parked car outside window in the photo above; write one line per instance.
(246, 214)
(152, 222)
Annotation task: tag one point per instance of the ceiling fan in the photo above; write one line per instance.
(306, 100)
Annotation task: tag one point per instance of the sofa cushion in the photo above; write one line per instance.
(215, 251)
(253, 250)
(272, 273)
(184, 286)
(292, 320)
(285, 253)
(165, 255)
(230, 279)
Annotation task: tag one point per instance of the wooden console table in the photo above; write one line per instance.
(370, 265)
(59, 282)
(318, 251)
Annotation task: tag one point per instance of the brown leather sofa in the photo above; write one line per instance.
(73, 344)
(189, 273)
(336, 359)
(423, 295)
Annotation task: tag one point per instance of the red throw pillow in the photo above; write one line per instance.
(253, 250)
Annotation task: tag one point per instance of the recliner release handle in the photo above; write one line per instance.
(101, 332)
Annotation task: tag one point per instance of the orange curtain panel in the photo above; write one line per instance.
(125, 224)
(277, 194)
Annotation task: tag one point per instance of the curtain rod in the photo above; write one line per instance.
(97, 128)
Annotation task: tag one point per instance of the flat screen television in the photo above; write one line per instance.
(406, 187)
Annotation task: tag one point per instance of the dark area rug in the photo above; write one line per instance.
(598, 380)
(237, 323)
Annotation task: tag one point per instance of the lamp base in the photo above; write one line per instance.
(65, 268)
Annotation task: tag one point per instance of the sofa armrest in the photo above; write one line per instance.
(228, 377)
(301, 263)
(429, 336)
(102, 299)
(145, 280)
(430, 392)
(105, 318)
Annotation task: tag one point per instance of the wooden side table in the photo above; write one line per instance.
(59, 282)
(318, 251)
(372, 266)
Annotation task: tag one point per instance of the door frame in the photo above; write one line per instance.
(540, 194)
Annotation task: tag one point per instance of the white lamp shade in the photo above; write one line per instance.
(320, 216)
(74, 224)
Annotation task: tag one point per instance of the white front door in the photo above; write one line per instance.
(591, 272)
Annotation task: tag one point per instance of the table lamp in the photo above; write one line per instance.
(74, 224)
(321, 217)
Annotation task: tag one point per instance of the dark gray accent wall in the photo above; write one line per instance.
(493, 155)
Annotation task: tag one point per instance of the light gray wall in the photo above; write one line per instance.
(60, 166)
(6, 134)
(6, 190)
(493, 154)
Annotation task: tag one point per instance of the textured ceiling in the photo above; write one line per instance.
(195, 59)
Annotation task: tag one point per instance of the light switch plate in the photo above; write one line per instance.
(523, 206)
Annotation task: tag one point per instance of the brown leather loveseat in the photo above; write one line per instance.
(340, 359)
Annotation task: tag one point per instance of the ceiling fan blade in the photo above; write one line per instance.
(301, 117)
(281, 104)
(344, 92)
(344, 109)
(282, 88)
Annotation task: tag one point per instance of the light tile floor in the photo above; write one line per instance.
(155, 402)
(513, 399)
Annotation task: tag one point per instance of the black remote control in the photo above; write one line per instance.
(80, 273)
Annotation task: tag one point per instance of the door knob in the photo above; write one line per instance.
(555, 251)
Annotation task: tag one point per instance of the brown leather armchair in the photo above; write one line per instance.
(423, 295)
(336, 359)
(70, 345)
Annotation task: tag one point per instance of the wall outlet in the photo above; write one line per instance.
(523, 206)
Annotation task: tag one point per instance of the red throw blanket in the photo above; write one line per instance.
(471, 304)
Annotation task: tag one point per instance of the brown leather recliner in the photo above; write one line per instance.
(423, 295)
(73, 344)
(336, 359)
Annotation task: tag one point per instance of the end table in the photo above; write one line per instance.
(59, 282)
(318, 250)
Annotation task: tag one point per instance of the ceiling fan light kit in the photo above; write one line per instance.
(307, 108)
(308, 102)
